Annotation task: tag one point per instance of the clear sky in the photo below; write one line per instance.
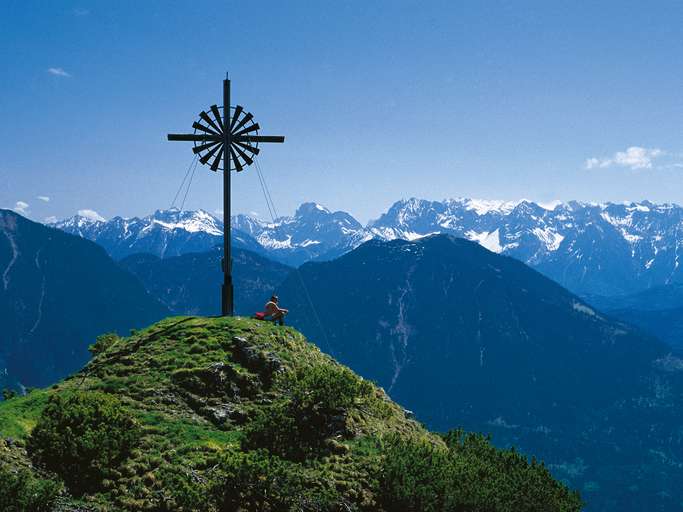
(379, 100)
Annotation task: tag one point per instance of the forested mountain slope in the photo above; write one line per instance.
(57, 293)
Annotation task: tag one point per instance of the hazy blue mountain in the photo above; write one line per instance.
(57, 293)
(165, 233)
(666, 324)
(657, 311)
(464, 336)
(657, 298)
(190, 284)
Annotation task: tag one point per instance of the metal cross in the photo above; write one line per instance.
(235, 148)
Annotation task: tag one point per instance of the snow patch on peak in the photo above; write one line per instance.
(484, 206)
(273, 243)
(638, 207)
(91, 215)
(199, 221)
(412, 236)
(550, 238)
(489, 240)
(308, 242)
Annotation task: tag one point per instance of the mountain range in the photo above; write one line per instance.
(313, 233)
(58, 292)
(467, 337)
(604, 249)
(591, 249)
(165, 233)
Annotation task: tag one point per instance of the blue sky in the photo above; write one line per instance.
(378, 101)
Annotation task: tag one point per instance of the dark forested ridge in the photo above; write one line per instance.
(57, 293)
(467, 337)
(190, 284)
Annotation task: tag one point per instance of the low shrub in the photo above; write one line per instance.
(468, 474)
(20, 491)
(314, 409)
(8, 394)
(83, 436)
(414, 475)
(103, 342)
(326, 388)
(180, 492)
(257, 481)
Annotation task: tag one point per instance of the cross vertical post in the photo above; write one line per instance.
(227, 298)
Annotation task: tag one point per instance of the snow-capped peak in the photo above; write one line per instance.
(190, 221)
(311, 208)
(484, 206)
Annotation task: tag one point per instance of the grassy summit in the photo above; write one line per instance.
(223, 414)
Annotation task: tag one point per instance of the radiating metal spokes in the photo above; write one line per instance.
(209, 138)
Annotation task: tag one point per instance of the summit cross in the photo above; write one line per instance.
(224, 149)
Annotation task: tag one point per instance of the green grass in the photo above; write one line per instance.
(19, 415)
(190, 435)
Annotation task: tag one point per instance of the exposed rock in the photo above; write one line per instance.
(227, 412)
(219, 379)
(266, 364)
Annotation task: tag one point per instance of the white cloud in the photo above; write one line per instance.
(634, 157)
(45, 199)
(91, 214)
(58, 72)
(21, 207)
(592, 163)
(218, 211)
(50, 220)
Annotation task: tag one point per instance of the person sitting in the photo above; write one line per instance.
(273, 312)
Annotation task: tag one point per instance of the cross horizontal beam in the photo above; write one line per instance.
(200, 137)
(194, 137)
(259, 138)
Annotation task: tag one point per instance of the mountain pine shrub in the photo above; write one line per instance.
(469, 474)
(317, 398)
(20, 491)
(103, 342)
(83, 437)
(8, 394)
(256, 481)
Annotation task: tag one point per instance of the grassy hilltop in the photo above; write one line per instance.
(223, 414)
